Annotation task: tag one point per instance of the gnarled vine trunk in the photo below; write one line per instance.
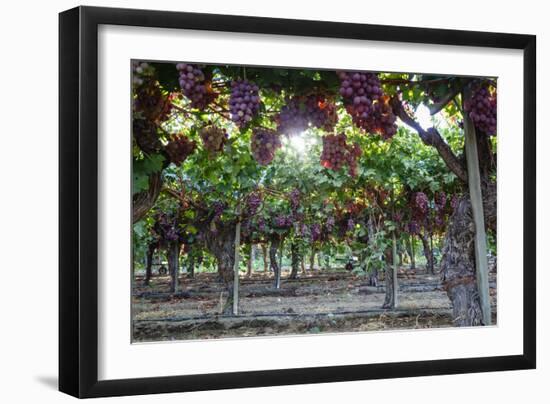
(149, 262)
(173, 253)
(273, 248)
(388, 280)
(143, 201)
(222, 246)
(428, 253)
(295, 259)
(458, 262)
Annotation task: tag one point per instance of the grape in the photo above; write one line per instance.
(145, 134)
(413, 227)
(330, 223)
(179, 148)
(301, 112)
(213, 138)
(419, 205)
(482, 109)
(294, 199)
(316, 232)
(244, 102)
(253, 202)
(440, 200)
(282, 221)
(140, 72)
(166, 227)
(454, 202)
(195, 85)
(337, 153)
(366, 103)
(264, 144)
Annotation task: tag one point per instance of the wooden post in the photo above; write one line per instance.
(394, 259)
(476, 198)
(236, 264)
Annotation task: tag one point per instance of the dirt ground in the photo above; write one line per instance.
(316, 302)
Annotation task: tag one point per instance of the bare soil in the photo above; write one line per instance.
(316, 302)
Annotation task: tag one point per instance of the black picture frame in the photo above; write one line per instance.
(78, 201)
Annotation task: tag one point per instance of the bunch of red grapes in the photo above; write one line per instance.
(166, 227)
(179, 148)
(253, 202)
(366, 103)
(283, 221)
(195, 85)
(264, 144)
(145, 134)
(244, 102)
(300, 112)
(213, 138)
(482, 109)
(294, 199)
(419, 205)
(337, 153)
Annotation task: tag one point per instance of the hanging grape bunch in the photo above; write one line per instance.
(141, 71)
(413, 227)
(282, 221)
(300, 112)
(337, 153)
(292, 119)
(166, 227)
(264, 144)
(179, 148)
(419, 207)
(253, 202)
(294, 198)
(316, 232)
(365, 102)
(145, 135)
(244, 102)
(195, 85)
(213, 138)
(482, 109)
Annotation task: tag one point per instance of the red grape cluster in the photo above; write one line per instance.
(140, 72)
(440, 200)
(264, 144)
(300, 112)
(315, 232)
(294, 199)
(283, 221)
(330, 223)
(419, 205)
(244, 102)
(366, 103)
(179, 148)
(213, 138)
(253, 202)
(337, 153)
(482, 109)
(166, 227)
(195, 85)
(413, 227)
(145, 134)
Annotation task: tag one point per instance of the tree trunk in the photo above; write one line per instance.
(295, 258)
(389, 303)
(149, 262)
(264, 255)
(250, 262)
(191, 263)
(428, 253)
(273, 248)
(312, 259)
(222, 247)
(458, 267)
(303, 265)
(142, 202)
(173, 252)
(412, 253)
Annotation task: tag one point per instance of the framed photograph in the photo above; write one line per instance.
(252, 201)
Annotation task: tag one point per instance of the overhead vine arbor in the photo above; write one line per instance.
(318, 161)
